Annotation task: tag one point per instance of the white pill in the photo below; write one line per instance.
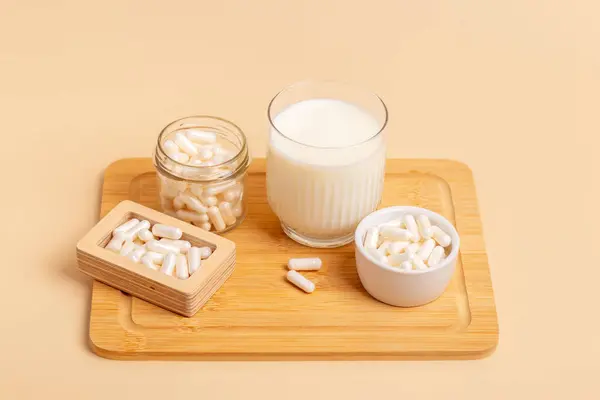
(205, 225)
(424, 226)
(185, 144)
(406, 266)
(145, 235)
(227, 213)
(436, 256)
(393, 233)
(216, 218)
(418, 263)
(163, 248)
(384, 247)
(115, 244)
(232, 194)
(180, 157)
(305, 264)
(413, 248)
(181, 267)
(192, 203)
(126, 226)
(199, 136)
(440, 236)
(411, 225)
(377, 255)
(398, 247)
(137, 254)
(147, 261)
(127, 248)
(191, 216)
(237, 210)
(300, 281)
(167, 231)
(168, 192)
(426, 249)
(178, 203)
(205, 252)
(205, 155)
(196, 190)
(372, 237)
(182, 245)
(220, 188)
(170, 147)
(399, 258)
(209, 200)
(396, 223)
(169, 264)
(194, 259)
(140, 226)
(155, 257)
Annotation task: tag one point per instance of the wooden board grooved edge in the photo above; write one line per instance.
(256, 315)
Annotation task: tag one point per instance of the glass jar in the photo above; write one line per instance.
(326, 159)
(201, 162)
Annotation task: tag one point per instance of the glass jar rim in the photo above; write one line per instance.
(330, 82)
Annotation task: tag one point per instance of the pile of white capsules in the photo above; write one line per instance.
(408, 243)
(212, 206)
(137, 240)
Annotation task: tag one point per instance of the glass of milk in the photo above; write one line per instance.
(326, 160)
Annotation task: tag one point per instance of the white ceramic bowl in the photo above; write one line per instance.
(404, 288)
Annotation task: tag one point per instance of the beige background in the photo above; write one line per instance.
(512, 88)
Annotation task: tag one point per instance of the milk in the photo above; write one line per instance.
(324, 169)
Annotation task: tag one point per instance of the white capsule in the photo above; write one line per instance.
(169, 264)
(178, 203)
(191, 216)
(205, 225)
(185, 144)
(440, 236)
(199, 136)
(137, 254)
(406, 266)
(413, 248)
(181, 267)
(396, 223)
(155, 257)
(162, 248)
(418, 263)
(233, 194)
(300, 281)
(180, 157)
(237, 210)
(399, 258)
(209, 200)
(127, 248)
(170, 147)
(436, 256)
(426, 249)
(205, 252)
(115, 244)
(192, 203)
(372, 237)
(411, 225)
(167, 193)
(384, 247)
(305, 264)
(140, 226)
(424, 226)
(126, 226)
(194, 257)
(205, 155)
(393, 233)
(227, 213)
(196, 189)
(398, 247)
(218, 189)
(147, 261)
(182, 245)
(377, 255)
(145, 235)
(216, 218)
(167, 231)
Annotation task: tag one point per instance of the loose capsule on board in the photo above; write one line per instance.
(167, 231)
(305, 264)
(300, 281)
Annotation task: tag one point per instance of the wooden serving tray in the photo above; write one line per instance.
(258, 315)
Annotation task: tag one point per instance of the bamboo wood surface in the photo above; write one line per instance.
(257, 315)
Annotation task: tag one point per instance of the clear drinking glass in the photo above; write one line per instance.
(325, 161)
